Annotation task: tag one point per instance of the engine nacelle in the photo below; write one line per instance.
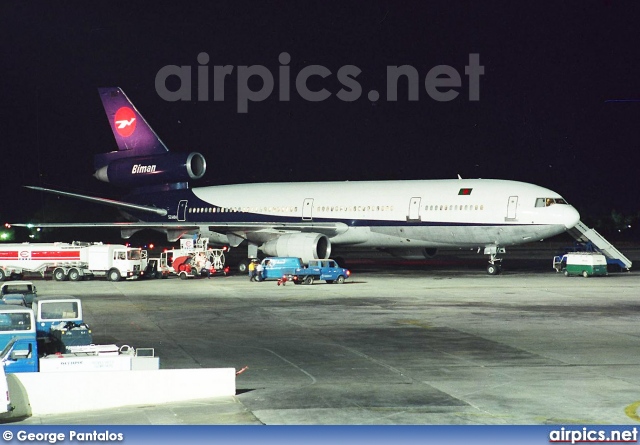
(306, 246)
(153, 170)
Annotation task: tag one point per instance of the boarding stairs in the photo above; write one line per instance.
(583, 234)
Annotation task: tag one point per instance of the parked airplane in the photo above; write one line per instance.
(306, 219)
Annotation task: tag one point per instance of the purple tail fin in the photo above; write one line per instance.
(133, 135)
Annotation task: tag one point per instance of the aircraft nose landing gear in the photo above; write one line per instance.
(495, 263)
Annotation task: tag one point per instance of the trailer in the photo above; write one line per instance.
(71, 261)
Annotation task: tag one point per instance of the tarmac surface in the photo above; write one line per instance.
(422, 343)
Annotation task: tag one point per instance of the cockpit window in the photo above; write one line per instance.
(546, 202)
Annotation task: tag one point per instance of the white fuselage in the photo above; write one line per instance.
(394, 214)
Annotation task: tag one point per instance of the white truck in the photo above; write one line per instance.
(72, 261)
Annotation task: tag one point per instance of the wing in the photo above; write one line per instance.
(329, 229)
(236, 231)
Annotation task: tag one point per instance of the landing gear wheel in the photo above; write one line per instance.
(493, 269)
(243, 266)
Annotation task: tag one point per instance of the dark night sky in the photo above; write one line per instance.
(542, 116)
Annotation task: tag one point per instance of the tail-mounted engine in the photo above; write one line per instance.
(147, 170)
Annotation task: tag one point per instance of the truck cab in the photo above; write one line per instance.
(25, 288)
(18, 339)
(20, 355)
(59, 325)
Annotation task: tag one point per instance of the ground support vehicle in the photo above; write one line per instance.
(72, 261)
(189, 261)
(586, 264)
(24, 333)
(291, 269)
(327, 270)
(14, 299)
(60, 324)
(25, 288)
(279, 268)
(155, 269)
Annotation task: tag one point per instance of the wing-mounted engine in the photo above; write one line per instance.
(138, 171)
(307, 246)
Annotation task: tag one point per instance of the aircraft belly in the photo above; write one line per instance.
(445, 236)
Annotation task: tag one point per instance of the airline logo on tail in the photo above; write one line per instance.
(125, 121)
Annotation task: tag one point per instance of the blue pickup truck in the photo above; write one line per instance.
(292, 269)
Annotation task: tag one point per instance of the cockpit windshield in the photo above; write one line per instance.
(546, 202)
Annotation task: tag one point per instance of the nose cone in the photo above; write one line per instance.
(571, 217)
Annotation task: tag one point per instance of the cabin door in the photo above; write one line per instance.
(307, 209)
(414, 209)
(182, 210)
(511, 207)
